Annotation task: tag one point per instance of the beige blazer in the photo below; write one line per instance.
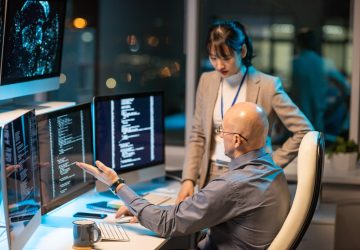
(262, 89)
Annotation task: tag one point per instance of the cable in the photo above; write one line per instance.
(3, 233)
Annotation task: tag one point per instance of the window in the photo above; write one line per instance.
(141, 49)
(117, 47)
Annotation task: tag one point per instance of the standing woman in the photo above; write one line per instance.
(234, 80)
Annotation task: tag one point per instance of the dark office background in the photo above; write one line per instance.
(137, 46)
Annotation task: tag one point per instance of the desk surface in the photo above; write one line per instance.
(56, 233)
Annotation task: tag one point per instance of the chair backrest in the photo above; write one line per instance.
(309, 172)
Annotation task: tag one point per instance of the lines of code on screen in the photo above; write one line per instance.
(63, 140)
(22, 171)
(129, 132)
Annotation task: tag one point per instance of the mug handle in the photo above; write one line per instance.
(98, 238)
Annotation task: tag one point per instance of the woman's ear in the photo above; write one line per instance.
(243, 51)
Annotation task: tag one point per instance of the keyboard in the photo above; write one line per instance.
(156, 199)
(112, 232)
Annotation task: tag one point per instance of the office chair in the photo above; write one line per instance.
(309, 172)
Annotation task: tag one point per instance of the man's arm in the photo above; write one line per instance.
(199, 211)
(206, 208)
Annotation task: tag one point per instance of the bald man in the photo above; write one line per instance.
(243, 209)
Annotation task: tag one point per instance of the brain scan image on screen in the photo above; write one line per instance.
(32, 40)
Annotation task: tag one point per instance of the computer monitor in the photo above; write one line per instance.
(129, 135)
(20, 179)
(32, 33)
(65, 136)
(1, 24)
(3, 228)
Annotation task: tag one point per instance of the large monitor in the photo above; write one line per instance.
(65, 136)
(129, 135)
(20, 179)
(3, 227)
(32, 36)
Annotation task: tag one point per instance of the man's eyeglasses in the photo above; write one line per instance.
(220, 131)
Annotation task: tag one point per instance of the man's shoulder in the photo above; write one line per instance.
(255, 170)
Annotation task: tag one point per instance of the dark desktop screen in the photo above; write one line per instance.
(32, 40)
(1, 24)
(21, 171)
(129, 131)
(65, 137)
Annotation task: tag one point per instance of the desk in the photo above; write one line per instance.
(56, 233)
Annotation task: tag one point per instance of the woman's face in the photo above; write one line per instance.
(227, 65)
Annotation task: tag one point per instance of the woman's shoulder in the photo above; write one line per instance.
(261, 76)
(210, 74)
(208, 78)
(267, 83)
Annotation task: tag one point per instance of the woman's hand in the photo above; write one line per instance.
(186, 190)
(124, 211)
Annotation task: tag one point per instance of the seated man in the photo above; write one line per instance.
(243, 209)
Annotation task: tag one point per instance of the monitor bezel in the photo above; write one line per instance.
(90, 184)
(124, 96)
(35, 221)
(2, 28)
(30, 87)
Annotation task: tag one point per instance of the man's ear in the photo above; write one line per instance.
(236, 140)
(243, 51)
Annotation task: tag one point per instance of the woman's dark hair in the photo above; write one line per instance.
(231, 34)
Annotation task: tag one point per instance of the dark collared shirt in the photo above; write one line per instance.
(243, 209)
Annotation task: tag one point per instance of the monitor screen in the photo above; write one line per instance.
(2, 2)
(129, 131)
(65, 136)
(3, 235)
(20, 178)
(32, 46)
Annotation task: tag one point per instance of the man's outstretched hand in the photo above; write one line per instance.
(101, 172)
